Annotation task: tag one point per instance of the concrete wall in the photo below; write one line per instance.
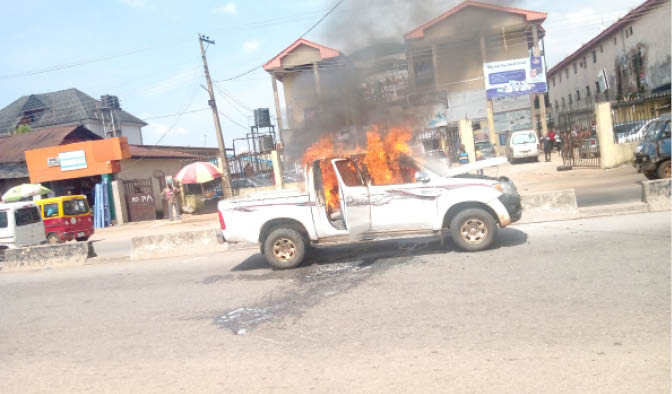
(611, 154)
(132, 132)
(657, 194)
(549, 206)
(70, 253)
(650, 34)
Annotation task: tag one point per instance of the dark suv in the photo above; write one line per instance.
(652, 156)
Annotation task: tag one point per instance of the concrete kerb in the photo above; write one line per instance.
(656, 194)
(21, 259)
(549, 206)
(186, 243)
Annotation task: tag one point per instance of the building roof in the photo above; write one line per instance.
(530, 16)
(12, 148)
(636, 13)
(325, 53)
(63, 107)
(160, 152)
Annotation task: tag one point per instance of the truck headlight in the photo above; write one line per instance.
(505, 187)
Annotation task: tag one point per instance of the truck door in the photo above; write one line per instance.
(354, 196)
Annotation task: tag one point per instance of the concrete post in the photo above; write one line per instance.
(435, 66)
(318, 87)
(467, 139)
(278, 112)
(119, 200)
(542, 98)
(611, 154)
(491, 124)
(277, 170)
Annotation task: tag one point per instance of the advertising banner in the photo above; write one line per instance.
(515, 77)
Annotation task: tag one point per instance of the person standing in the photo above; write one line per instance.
(171, 194)
(548, 146)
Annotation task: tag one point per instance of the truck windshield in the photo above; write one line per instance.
(75, 207)
(26, 216)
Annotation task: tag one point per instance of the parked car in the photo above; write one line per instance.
(20, 225)
(652, 156)
(484, 150)
(286, 223)
(522, 145)
(66, 218)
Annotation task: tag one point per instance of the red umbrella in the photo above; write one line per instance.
(199, 172)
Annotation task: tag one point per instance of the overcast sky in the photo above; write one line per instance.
(146, 51)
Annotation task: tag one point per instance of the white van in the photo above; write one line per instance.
(522, 145)
(20, 225)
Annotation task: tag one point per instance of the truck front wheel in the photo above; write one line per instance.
(284, 248)
(473, 229)
(663, 170)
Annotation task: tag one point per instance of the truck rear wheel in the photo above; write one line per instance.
(285, 248)
(473, 229)
(651, 175)
(663, 170)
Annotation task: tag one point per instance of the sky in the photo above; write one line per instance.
(146, 52)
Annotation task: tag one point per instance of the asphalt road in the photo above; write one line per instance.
(566, 307)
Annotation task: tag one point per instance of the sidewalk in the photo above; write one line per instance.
(156, 227)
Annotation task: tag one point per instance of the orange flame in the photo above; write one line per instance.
(381, 158)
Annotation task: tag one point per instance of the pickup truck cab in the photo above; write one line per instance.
(652, 156)
(468, 208)
(20, 225)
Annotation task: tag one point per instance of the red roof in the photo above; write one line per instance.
(12, 147)
(530, 16)
(629, 17)
(325, 53)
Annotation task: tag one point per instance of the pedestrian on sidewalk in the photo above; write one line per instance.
(548, 147)
(171, 194)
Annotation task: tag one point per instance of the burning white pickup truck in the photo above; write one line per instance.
(343, 200)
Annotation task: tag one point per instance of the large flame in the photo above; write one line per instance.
(381, 158)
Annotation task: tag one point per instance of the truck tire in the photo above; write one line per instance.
(285, 248)
(663, 170)
(473, 229)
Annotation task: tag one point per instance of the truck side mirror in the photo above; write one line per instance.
(422, 177)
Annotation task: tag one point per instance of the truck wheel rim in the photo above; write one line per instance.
(474, 231)
(284, 249)
(667, 171)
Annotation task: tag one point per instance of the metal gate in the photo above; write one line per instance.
(580, 145)
(140, 200)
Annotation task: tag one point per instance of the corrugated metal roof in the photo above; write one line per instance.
(12, 148)
(530, 16)
(159, 152)
(628, 18)
(325, 53)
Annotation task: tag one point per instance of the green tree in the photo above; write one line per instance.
(21, 130)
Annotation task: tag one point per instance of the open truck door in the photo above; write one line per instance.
(354, 196)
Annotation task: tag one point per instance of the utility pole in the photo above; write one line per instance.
(226, 176)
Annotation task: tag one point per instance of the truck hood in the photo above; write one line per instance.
(479, 165)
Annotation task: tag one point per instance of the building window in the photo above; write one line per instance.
(601, 49)
(584, 62)
(570, 99)
(556, 104)
(575, 68)
(630, 30)
(597, 87)
(581, 64)
(627, 33)
(594, 56)
(553, 80)
(578, 95)
(560, 75)
(614, 40)
(567, 72)
(587, 90)
(563, 102)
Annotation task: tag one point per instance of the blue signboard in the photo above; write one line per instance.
(515, 77)
(70, 161)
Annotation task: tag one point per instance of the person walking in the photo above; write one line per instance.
(548, 147)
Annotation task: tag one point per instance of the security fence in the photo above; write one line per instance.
(579, 142)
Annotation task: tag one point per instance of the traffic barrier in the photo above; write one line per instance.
(656, 194)
(186, 243)
(71, 253)
(549, 206)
